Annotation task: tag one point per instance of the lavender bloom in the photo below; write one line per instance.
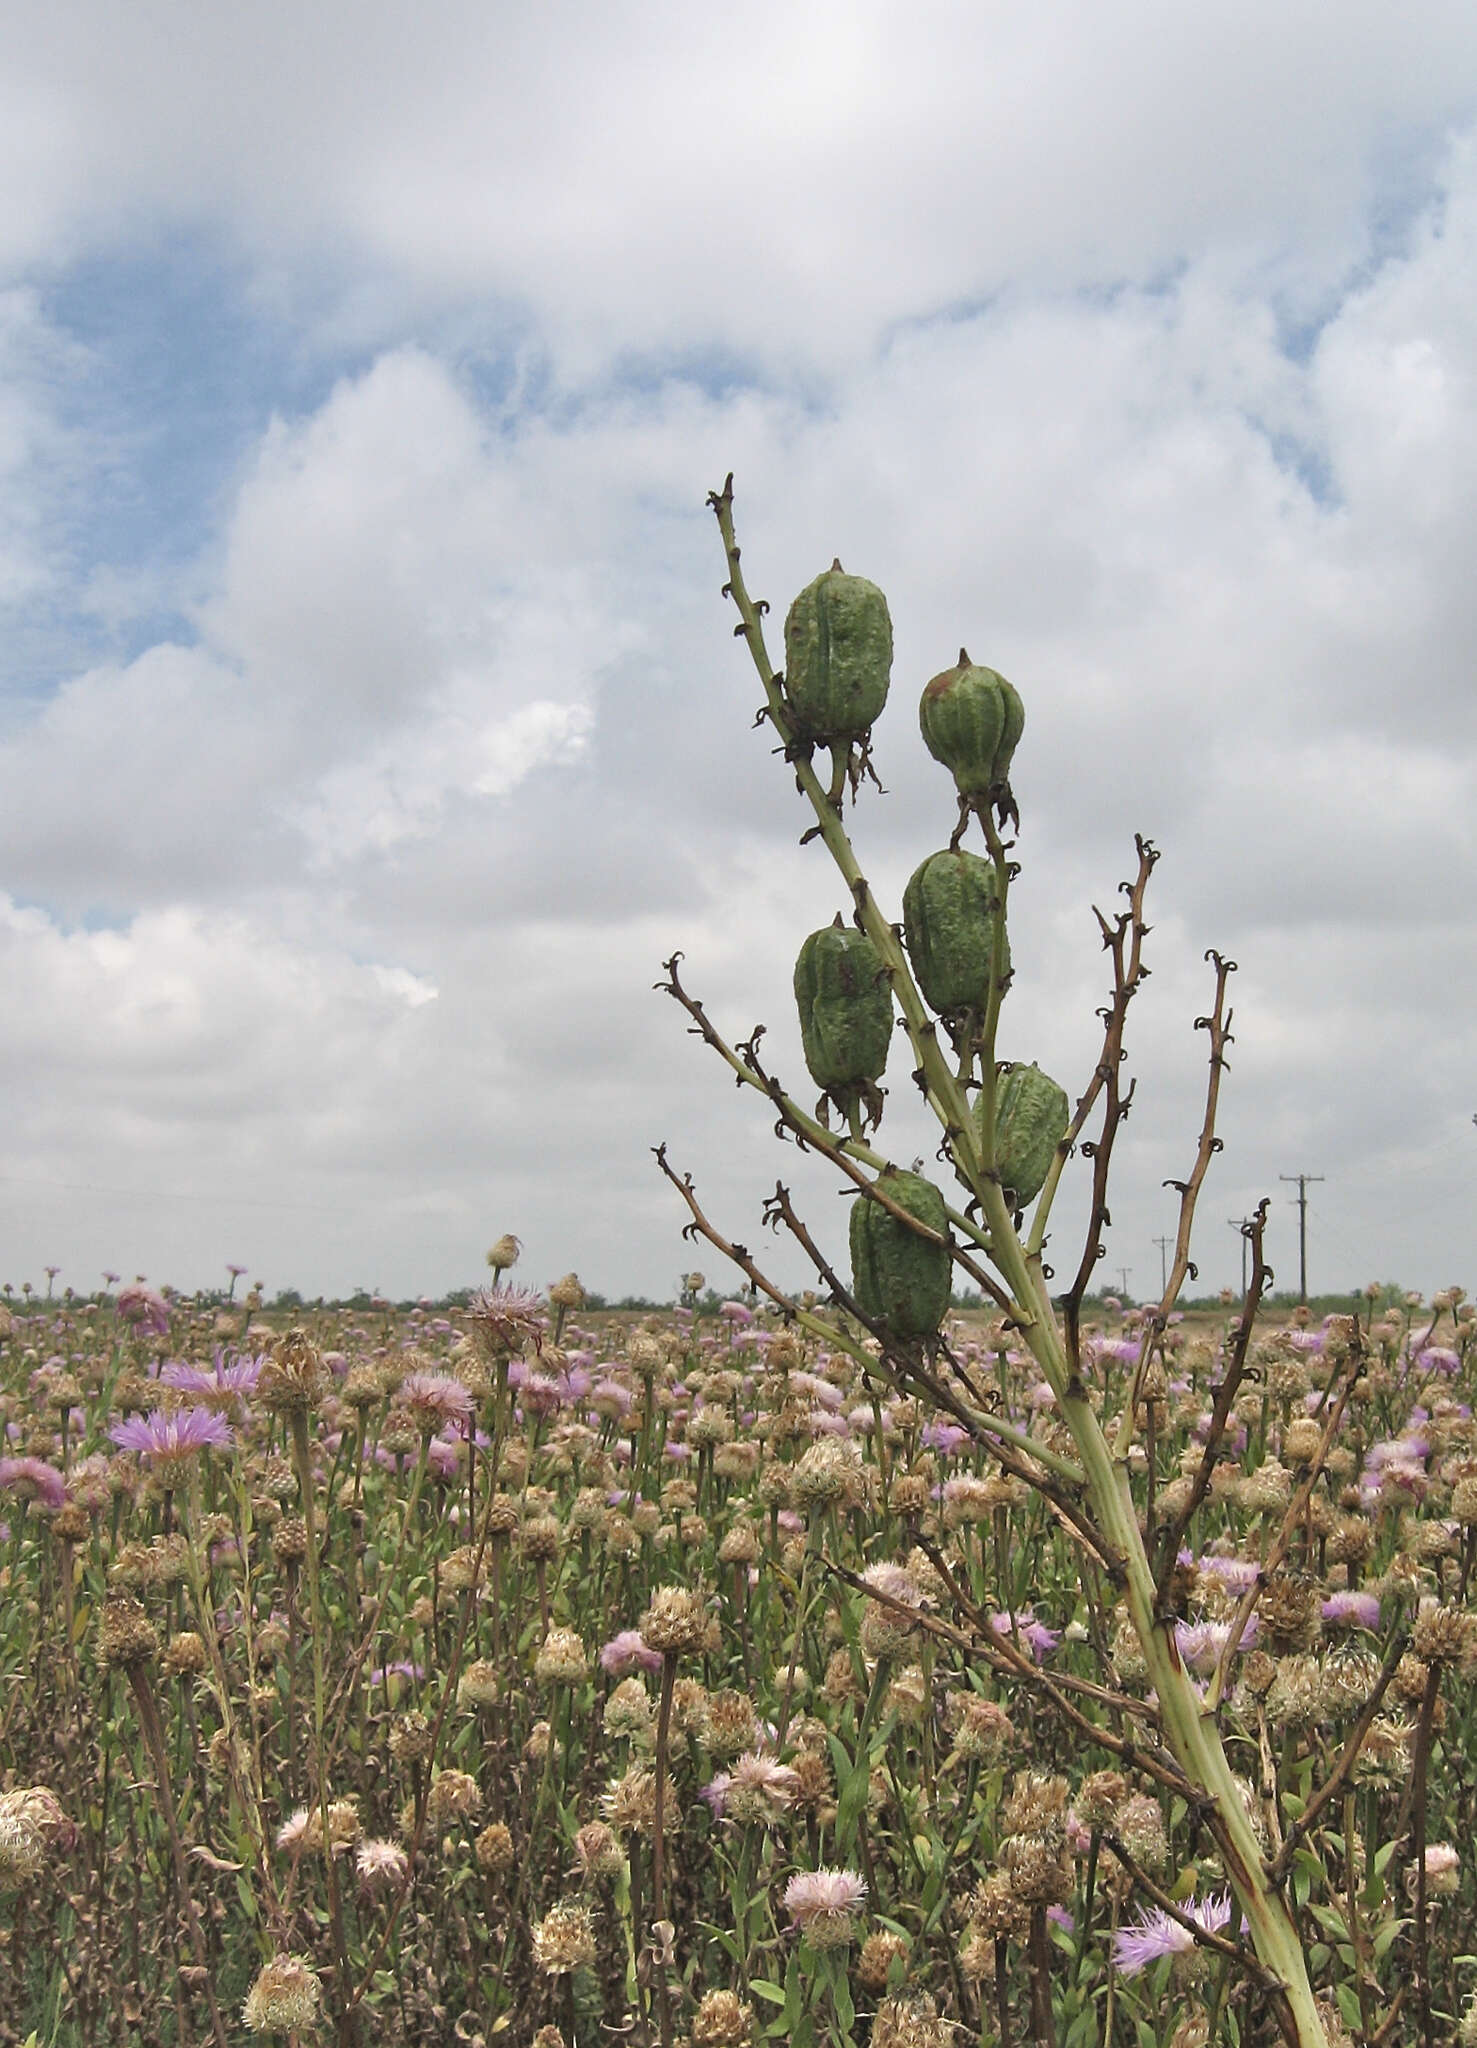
(1359, 1610)
(1037, 1637)
(434, 1398)
(169, 1439)
(946, 1437)
(230, 1379)
(1156, 1935)
(627, 1652)
(145, 1307)
(33, 1479)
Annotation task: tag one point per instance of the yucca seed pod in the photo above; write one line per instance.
(838, 657)
(1031, 1119)
(951, 912)
(900, 1279)
(845, 1004)
(972, 720)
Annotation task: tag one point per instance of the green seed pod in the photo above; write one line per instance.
(1031, 1118)
(972, 720)
(838, 656)
(950, 917)
(845, 1005)
(900, 1279)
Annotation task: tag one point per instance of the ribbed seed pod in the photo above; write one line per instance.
(972, 720)
(1031, 1118)
(838, 656)
(845, 1006)
(900, 1279)
(950, 917)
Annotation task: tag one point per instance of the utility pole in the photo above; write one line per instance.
(1301, 1199)
(1243, 1224)
(1163, 1243)
(1124, 1272)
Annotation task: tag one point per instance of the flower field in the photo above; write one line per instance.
(515, 1673)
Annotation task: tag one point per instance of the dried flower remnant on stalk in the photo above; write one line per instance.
(285, 1997)
(564, 1940)
(294, 1377)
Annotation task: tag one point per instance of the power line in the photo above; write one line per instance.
(1163, 1243)
(1243, 1224)
(1301, 1227)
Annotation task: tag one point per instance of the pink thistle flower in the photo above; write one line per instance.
(434, 1398)
(380, 1863)
(1156, 1935)
(1352, 1609)
(33, 1479)
(144, 1307)
(627, 1652)
(228, 1381)
(170, 1439)
(1037, 1637)
(823, 1905)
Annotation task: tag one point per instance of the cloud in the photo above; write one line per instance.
(346, 890)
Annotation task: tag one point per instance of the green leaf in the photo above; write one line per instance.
(772, 1994)
(1386, 1938)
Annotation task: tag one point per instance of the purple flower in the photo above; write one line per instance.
(627, 1652)
(1361, 1610)
(33, 1479)
(737, 1315)
(168, 1439)
(947, 1437)
(1156, 1935)
(1038, 1638)
(434, 1398)
(229, 1380)
(145, 1307)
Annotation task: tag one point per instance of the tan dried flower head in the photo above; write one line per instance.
(814, 1784)
(478, 1685)
(290, 1540)
(126, 1638)
(567, 1293)
(910, 2020)
(1139, 1826)
(463, 1569)
(879, 1952)
(1384, 1758)
(1267, 1490)
(454, 1795)
(731, 1724)
(1100, 1797)
(740, 1545)
(597, 1850)
(1037, 1805)
(564, 1940)
(676, 1622)
(538, 1538)
(630, 1802)
(829, 1474)
(185, 1655)
(493, 1849)
(1442, 1635)
(629, 1710)
(561, 1659)
(285, 1997)
(31, 1818)
(983, 1730)
(840, 1682)
(1298, 1693)
(722, 2020)
(1289, 1611)
(294, 1377)
(1300, 1440)
(995, 1910)
(410, 1738)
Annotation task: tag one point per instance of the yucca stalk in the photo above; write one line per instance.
(1014, 1278)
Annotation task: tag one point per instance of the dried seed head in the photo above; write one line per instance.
(910, 2021)
(1139, 1826)
(538, 1538)
(493, 1849)
(285, 1997)
(1100, 1797)
(453, 1796)
(126, 1638)
(676, 1622)
(722, 2020)
(564, 1940)
(561, 1659)
(186, 1655)
(293, 1379)
(478, 1685)
(1443, 1635)
(410, 1738)
(879, 1952)
(983, 1731)
(598, 1850)
(1289, 1612)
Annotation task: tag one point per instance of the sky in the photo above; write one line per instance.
(371, 724)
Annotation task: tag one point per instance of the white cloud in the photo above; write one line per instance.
(463, 703)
